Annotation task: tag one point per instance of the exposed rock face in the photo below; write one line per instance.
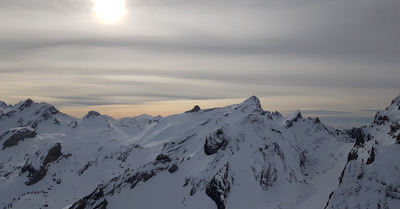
(297, 117)
(161, 158)
(219, 187)
(215, 142)
(25, 104)
(371, 157)
(34, 175)
(53, 154)
(17, 135)
(91, 114)
(91, 200)
(37, 174)
(173, 168)
(195, 109)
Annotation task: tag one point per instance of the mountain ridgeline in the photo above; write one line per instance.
(233, 157)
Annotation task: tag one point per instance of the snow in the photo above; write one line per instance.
(271, 164)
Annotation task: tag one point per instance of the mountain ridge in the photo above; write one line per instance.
(208, 158)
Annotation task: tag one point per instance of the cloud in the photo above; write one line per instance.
(203, 50)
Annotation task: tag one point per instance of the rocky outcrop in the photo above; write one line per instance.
(219, 187)
(37, 174)
(195, 109)
(26, 104)
(296, 117)
(173, 168)
(17, 135)
(91, 201)
(34, 174)
(215, 142)
(91, 114)
(53, 154)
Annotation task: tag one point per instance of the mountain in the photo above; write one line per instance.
(233, 157)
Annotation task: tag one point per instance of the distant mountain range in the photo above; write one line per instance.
(234, 157)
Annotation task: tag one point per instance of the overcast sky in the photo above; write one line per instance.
(338, 60)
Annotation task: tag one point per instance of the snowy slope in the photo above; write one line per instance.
(238, 156)
(371, 178)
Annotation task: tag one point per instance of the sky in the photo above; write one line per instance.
(337, 60)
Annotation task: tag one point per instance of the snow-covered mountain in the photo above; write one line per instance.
(233, 157)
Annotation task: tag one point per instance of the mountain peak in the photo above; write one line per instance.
(252, 102)
(3, 104)
(396, 101)
(196, 108)
(91, 114)
(25, 104)
(252, 99)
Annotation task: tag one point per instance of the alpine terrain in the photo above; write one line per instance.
(233, 157)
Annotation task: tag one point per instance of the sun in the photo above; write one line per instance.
(109, 11)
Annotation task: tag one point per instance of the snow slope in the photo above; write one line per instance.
(233, 157)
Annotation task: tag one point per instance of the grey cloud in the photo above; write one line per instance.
(204, 49)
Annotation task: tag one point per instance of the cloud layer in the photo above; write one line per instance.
(323, 55)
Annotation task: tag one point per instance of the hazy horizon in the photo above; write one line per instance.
(337, 60)
(333, 117)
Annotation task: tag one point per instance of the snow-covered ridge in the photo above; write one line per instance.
(238, 156)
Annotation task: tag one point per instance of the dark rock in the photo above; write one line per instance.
(359, 138)
(398, 139)
(298, 116)
(17, 136)
(380, 119)
(195, 109)
(371, 157)
(91, 114)
(73, 124)
(173, 168)
(102, 205)
(161, 158)
(267, 176)
(34, 175)
(140, 176)
(277, 114)
(317, 120)
(278, 151)
(52, 110)
(352, 154)
(342, 175)
(289, 123)
(394, 128)
(215, 142)
(53, 154)
(330, 196)
(7, 115)
(90, 200)
(354, 132)
(219, 187)
(392, 192)
(302, 159)
(26, 104)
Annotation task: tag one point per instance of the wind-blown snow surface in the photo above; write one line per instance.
(233, 157)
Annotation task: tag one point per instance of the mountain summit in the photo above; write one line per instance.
(232, 157)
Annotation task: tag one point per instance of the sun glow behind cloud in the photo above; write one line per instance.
(109, 11)
(168, 53)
